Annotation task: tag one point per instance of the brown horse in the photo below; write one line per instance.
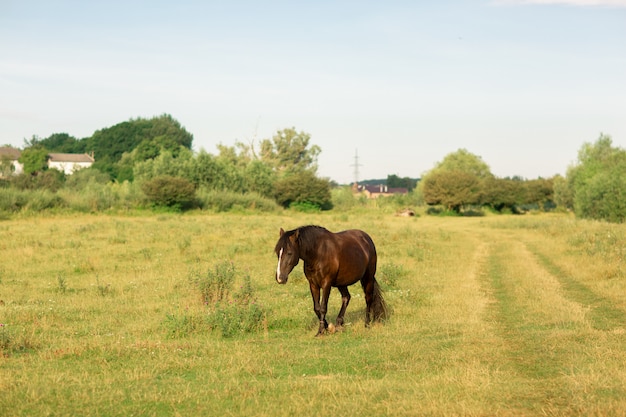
(332, 260)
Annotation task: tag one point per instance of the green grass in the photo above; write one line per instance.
(180, 315)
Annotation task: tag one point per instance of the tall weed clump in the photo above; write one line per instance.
(231, 312)
(13, 200)
(92, 198)
(344, 199)
(224, 200)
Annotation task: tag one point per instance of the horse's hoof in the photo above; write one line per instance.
(331, 328)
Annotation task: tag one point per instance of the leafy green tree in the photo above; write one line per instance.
(34, 159)
(452, 189)
(6, 167)
(152, 147)
(63, 143)
(563, 193)
(110, 144)
(598, 181)
(259, 177)
(289, 151)
(503, 194)
(464, 161)
(539, 192)
(456, 181)
(213, 173)
(165, 164)
(303, 187)
(394, 181)
(604, 196)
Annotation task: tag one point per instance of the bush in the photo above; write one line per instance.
(597, 182)
(303, 187)
(167, 191)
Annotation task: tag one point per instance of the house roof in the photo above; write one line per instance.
(383, 189)
(11, 153)
(70, 157)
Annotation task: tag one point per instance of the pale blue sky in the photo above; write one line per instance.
(522, 84)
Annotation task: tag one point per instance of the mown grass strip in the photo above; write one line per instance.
(602, 314)
(527, 340)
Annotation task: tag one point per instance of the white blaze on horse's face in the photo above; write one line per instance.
(280, 257)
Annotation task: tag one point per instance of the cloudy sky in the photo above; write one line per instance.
(521, 83)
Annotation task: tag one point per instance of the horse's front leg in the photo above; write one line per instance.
(320, 308)
(315, 294)
(323, 309)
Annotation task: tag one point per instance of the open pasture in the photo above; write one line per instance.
(107, 316)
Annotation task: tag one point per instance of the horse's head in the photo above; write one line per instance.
(288, 254)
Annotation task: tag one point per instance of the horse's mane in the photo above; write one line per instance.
(306, 236)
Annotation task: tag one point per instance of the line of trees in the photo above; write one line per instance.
(594, 186)
(151, 162)
(463, 181)
(156, 154)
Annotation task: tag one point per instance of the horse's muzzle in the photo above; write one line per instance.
(282, 279)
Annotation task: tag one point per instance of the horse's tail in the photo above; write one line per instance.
(379, 306)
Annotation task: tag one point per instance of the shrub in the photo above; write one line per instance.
(167, 191)
(303, 187)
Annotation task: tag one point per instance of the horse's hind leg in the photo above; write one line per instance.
(368, 290)
(345, 300)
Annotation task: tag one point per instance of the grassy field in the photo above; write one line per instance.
(497, 315)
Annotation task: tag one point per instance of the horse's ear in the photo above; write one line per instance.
(282, 231)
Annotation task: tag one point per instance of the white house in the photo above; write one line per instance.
(69, 162)
(11, 155)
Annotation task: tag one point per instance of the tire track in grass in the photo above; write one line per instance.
(462, 349)
(530, 310)
(602, 314)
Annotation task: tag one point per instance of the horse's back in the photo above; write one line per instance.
(360, 238)
(357, 257)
